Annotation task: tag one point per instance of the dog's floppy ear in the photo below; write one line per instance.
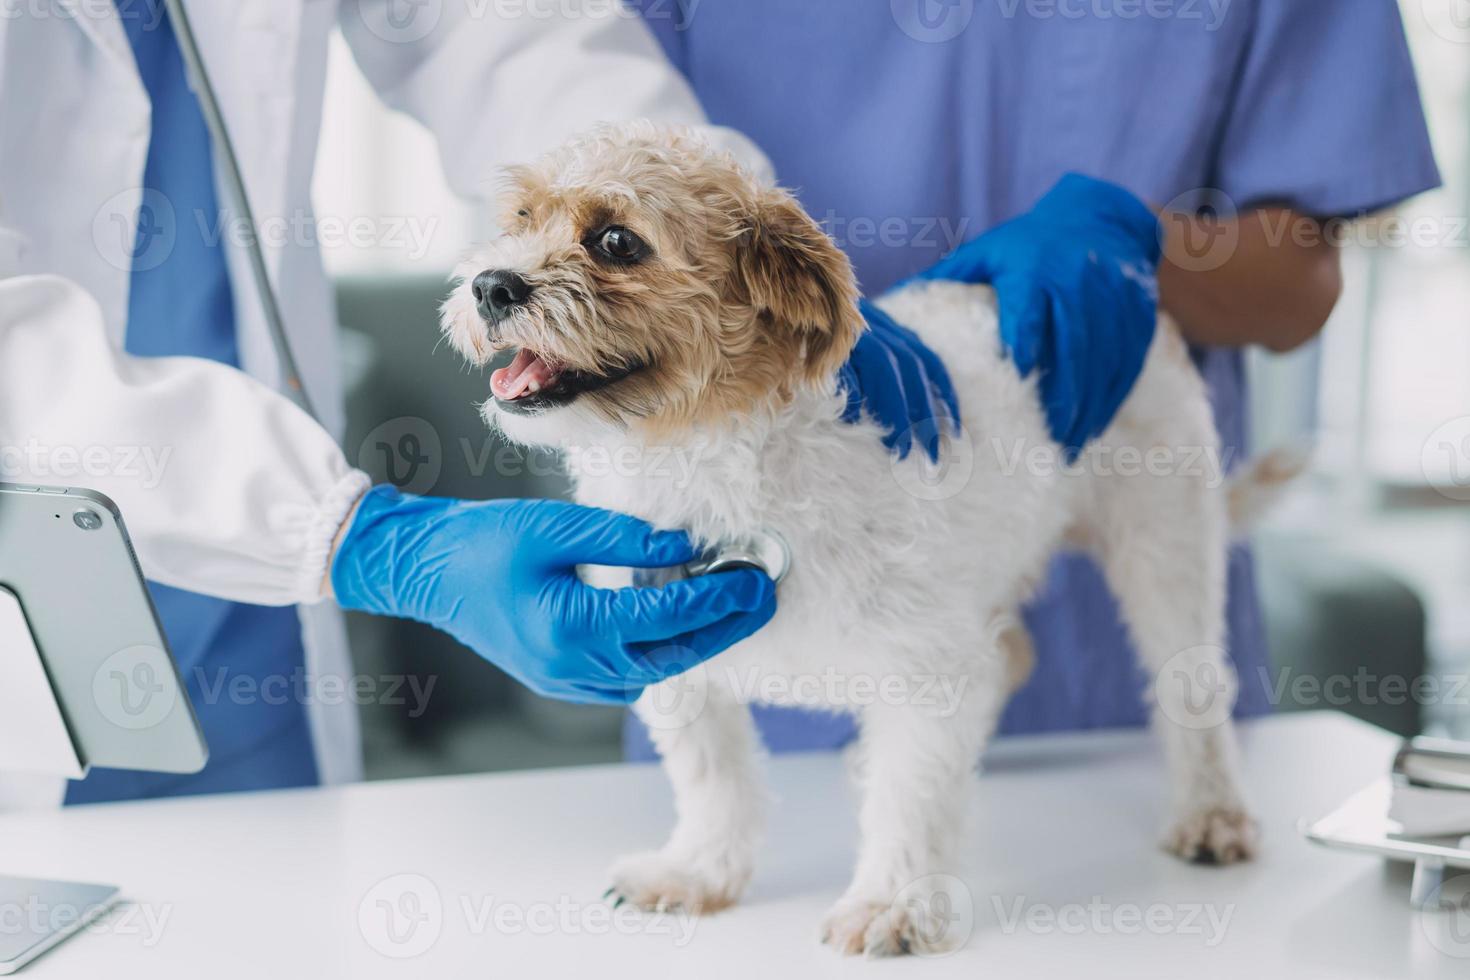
(800, 283)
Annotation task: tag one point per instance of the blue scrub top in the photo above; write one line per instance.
(909, 126)
(243, 664)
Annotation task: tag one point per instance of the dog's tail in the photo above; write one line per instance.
(1255, 487)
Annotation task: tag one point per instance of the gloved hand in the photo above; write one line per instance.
(500, 576)
(1075, 279)
(899, 382)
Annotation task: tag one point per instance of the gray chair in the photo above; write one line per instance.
(1344, 634)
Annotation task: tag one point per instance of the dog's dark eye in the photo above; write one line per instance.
(621, 245)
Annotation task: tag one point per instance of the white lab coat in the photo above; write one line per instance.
(250, 491)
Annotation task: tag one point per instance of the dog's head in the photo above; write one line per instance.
(645, 280)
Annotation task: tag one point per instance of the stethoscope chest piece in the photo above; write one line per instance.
(765, 551)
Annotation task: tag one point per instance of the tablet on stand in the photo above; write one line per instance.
(86, 679)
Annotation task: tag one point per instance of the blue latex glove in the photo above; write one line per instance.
(1075, 279)
(899, 382)
(500, 576)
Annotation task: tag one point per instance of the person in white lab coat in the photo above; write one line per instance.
(237, 519)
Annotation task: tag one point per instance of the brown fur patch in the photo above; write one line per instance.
(742, 300)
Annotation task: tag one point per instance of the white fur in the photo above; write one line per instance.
(912, 588)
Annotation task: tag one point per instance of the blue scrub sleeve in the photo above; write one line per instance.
(1326, 116)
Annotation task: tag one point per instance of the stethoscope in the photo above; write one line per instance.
(235, 184)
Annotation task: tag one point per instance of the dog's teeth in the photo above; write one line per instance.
(533, 386)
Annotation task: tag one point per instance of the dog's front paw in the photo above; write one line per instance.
(854, 926)
(660, 881)
(1215, 835)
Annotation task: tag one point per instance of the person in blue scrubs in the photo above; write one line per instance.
(909, 127)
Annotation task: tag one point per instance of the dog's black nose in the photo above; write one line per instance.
(497, 292)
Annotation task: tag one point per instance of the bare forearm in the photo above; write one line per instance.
(1267, 277)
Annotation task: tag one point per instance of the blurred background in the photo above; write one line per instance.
(1365, 570)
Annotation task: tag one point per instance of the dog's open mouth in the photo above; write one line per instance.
(532, 382)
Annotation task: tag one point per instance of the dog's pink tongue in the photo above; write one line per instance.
(527, 372)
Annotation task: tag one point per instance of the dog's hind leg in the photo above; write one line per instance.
(917, 771)
(710, 752)
(1162, 541)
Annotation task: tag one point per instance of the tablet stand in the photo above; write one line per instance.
(36, 914)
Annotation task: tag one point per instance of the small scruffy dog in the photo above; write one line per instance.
(665, 305)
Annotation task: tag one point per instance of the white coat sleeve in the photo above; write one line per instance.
(501, 83)
(226, 487)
